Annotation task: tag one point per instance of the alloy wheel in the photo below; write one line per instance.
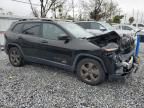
(89, 72)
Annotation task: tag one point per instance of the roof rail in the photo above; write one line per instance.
(63, 20)
(41, 19)
(46, 19)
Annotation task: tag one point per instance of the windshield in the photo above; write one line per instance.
(75, 30)
(107, 25)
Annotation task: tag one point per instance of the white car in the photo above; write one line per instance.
(98, 28)
(138, 25)
(128, 28)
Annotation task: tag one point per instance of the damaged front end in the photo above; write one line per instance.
(120, 51)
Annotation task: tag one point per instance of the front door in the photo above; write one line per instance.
(51, 48)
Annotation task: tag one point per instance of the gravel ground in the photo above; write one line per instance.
(39, 86)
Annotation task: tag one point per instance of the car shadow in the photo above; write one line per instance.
(45, 69)
(52, 69)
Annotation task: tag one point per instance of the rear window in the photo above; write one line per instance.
(17, 28)
(31, 29)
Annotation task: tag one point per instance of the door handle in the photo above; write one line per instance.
(43, 41)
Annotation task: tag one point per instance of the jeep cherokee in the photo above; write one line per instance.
(67, 45)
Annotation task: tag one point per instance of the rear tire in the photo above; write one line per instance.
(90, 71)
(15, 57)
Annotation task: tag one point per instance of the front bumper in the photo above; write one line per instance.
(125, 64)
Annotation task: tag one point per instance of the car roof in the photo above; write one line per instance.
(85, 21)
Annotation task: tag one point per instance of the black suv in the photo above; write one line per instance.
(67, 45)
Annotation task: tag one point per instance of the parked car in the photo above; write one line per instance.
(98, 28)
(130, 28)
(138, 25)
(67, 45)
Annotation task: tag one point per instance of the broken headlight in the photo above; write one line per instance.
(111, 47)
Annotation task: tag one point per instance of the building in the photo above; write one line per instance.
(5, 22)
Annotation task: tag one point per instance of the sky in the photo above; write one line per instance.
(129, 5)
(20, 9)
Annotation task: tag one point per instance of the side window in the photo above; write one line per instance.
(126, 28)
(31, 29)
(117, 27)
(140, 25)
(134, 25)
(85, 25)
(17, 28)
(51, 31)
(96, 26)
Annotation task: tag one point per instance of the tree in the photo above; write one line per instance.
(131, 20)
(65, 10)
(117, 18)
(100, 9)
(96, 6)
(46, 6)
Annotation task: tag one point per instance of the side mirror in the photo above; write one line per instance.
(102, 29)
(65, 38)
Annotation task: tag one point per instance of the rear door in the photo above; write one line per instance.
(29, 38)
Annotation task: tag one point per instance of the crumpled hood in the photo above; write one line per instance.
(105, 38)
(124, 43)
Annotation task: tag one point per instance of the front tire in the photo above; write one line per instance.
(90, 71)
(15, 57)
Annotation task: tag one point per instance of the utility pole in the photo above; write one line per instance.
(111, 9)
(73, 10)
(125, 18)
(41, 8)
(142, 18)
(133, 14)
(137, 15)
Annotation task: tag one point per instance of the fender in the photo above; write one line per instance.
(14, 44)
(91, 56)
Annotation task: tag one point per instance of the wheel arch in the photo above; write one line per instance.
(83, 56)
(10, 45)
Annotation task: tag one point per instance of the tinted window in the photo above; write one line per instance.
(85, 25)
(31, 29)
(51, 31)
(134, 25)
(126, 28)
(17, 28)
(140, 25)
(75, 30)
(117, 27)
